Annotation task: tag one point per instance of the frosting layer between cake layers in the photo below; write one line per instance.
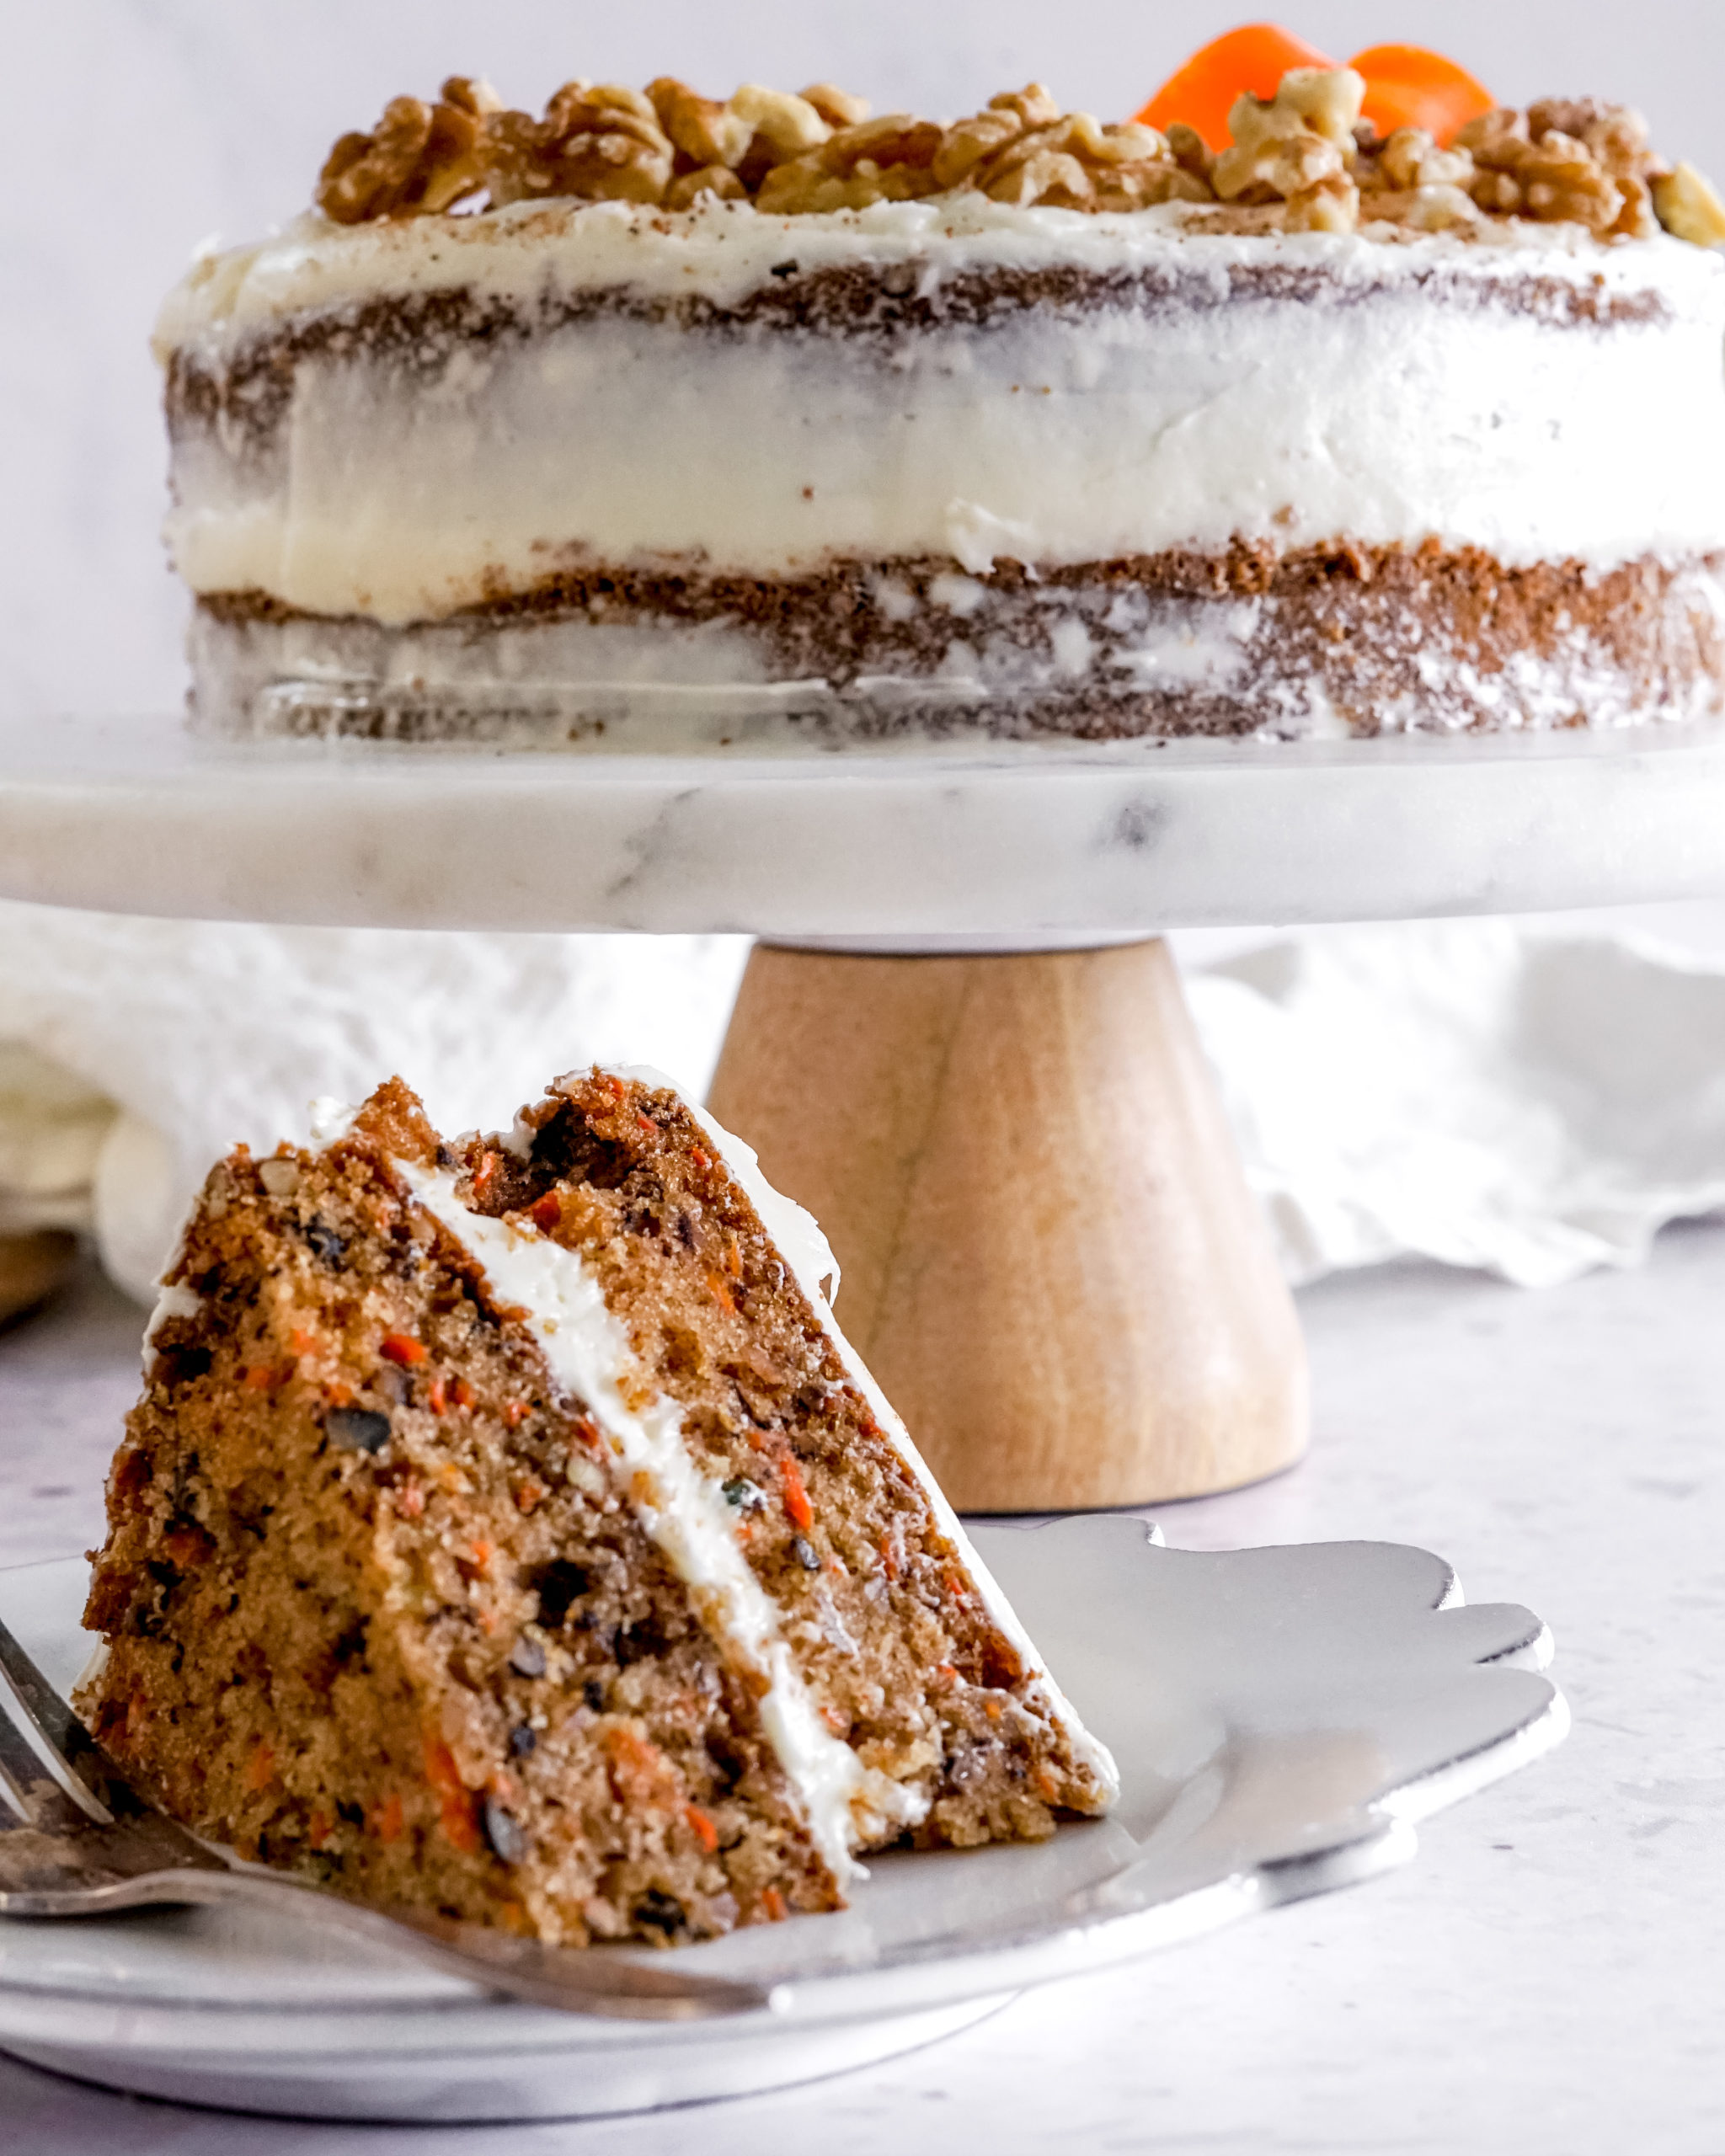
(588, 1351)
(612, 473)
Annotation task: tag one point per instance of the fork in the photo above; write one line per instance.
(104, 1848)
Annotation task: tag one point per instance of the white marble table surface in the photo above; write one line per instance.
(1544, 1980)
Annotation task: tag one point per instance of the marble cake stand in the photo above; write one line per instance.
(959, 1042)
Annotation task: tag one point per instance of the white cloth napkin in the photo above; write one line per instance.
(134, 1053)
(1533, 1101)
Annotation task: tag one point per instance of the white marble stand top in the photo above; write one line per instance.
(1545, 1980)
(1031, 849)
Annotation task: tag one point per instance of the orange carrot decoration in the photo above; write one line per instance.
(1202, 93)
(1408, 86)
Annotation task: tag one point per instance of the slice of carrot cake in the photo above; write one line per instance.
(506, 1527)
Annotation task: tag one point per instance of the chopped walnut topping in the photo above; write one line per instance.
(703, 130)
(1294, 147)
(1301, 161)
(1565, 161)
(419, 158)
(836, 107)
(1686, 205)
(885, 160)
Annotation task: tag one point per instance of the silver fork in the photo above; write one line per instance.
(61, 1857)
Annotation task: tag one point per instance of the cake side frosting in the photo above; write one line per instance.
(1135, 419)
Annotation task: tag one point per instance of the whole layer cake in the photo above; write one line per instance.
(507, 1529)
(657, 423)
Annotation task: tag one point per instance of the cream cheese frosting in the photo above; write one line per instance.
(1390, 393)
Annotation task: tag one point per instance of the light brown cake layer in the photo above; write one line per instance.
(383, 1599)
(1339, 639)
(383, 1619)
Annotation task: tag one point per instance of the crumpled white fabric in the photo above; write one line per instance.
(1531, 1101)
(134, 1053)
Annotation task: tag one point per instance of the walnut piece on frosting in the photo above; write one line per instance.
(1293, 148)
(1300, 161)
(1565, 161)
(1687, 206)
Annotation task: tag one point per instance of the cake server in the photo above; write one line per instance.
(95, 1846)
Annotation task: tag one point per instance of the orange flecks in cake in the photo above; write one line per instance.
(587, 1430)
(639, 1773)
(457, 1812)
(702, 1827)
(260, 1767)
(338, 1394)
(702, 1160)
(390, 1820)
(268, 1377)
(719, 1288)
(483, 1555)
(187, 1544)
(733, 1256)
(888, 1557)
(1201, 93)
(515, 1413)
(547, 1213)
(796, 1496)
(774, 1904)
(529, 1496)
(403, 1349)
(946, 1673)
(993, 1709)
(459, 1819)
(410, 1503)
(461, 1393)
(647, 1122)
(437, 1396)
(132, 1474)
(318, 1828)
(485, 1174)
(303, 1343)
(1406, 86)
(836, 1719)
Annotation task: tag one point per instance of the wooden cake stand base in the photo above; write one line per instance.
(1051, 1259)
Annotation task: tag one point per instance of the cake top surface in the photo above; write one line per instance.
(719, 252)
(1302, 159)
(664, 191)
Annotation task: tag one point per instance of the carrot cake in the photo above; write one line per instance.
(506, 1527)
(658, 422)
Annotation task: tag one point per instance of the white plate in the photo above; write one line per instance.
(1280, 1716)
(1026, 849)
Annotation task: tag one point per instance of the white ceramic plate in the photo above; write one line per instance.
(1025, 849)
(1281, 1717)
